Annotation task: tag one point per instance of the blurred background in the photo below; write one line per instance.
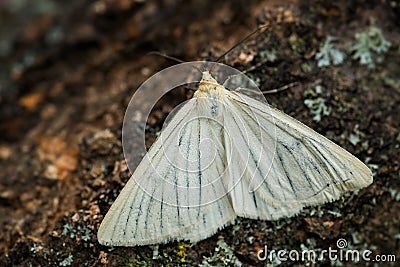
(69, 68)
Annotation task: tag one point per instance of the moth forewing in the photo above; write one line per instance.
(305, 169)
(177, 192)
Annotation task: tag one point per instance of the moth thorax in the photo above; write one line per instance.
(209, 89)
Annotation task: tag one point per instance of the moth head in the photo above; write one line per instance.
(207, 78)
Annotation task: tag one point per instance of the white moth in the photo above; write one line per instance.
(225, 155)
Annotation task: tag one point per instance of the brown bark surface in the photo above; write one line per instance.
(69, 68)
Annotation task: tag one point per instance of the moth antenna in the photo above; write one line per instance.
(171, 58)
(242, 41)
(280, 89)
(259, 64)
(166, 56)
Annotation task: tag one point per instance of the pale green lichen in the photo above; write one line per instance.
(367, 43)
(223, 256)
(78, 233)
(394, 194)
(354, 139)
(67, 261)
(269, 55)
(317, 106)
(329, 55)
(374, 167)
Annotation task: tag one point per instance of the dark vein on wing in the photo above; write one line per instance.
(305, 175)
(329, 167)
(187, 173)
(177, 198)
(278, 153)
(216, 167)
(199, 174)
(130, 211)
(251, 153)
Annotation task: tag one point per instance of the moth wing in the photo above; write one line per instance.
(280, 165)
(177, 192)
